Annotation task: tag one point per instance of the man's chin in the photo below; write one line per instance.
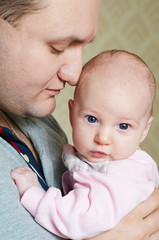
(41, 110)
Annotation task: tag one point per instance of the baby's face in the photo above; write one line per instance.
(109, 119)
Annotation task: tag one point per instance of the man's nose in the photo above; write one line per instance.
(72, 65)
(103, 137)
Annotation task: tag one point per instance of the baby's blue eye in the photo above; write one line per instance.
(91, 119)
(123, 126)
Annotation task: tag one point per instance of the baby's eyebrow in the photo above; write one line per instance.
(130, 121)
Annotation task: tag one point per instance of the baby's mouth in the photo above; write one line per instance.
(98, 154)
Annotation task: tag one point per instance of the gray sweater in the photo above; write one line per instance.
(48, 138)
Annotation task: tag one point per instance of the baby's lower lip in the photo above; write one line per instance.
(98, 154)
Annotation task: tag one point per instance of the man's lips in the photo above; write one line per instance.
(53, 92)
(97, 154)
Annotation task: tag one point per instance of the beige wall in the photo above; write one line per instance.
(132, 25)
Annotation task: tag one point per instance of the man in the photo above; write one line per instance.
(41, 49)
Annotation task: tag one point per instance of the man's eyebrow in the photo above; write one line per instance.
(70, 39)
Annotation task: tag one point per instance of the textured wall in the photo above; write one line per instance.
(132, 25)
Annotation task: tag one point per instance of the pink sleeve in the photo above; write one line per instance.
(96, 204)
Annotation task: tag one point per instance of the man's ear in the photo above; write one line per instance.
(146, 129)
(70, 106)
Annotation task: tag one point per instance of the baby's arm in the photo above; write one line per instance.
(139, 224)
(24, 178)
(82, 205)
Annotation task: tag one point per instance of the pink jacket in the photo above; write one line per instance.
(98, 199)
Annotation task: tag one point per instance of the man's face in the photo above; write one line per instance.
(43, 53)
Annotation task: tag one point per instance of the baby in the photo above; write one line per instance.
(108, 174)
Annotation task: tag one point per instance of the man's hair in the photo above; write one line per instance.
(13, 10)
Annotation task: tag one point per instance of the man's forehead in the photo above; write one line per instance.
(77, 19)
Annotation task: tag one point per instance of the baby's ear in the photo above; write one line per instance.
(146, 129)
(70, 106)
